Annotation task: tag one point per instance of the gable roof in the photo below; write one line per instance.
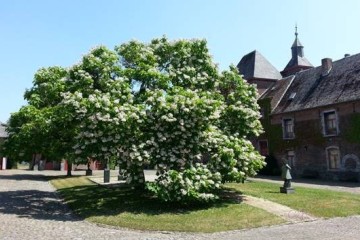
(255, 65)
(3, 133)
(276, 92)
(312, 89)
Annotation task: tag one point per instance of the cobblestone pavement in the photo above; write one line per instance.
(30, 209)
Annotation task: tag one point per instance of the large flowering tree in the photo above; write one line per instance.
(163, 104)
(169, 107)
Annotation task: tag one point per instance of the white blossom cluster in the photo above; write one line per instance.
(240, 116)
(232, 156)
(190, 185)
(177, 121)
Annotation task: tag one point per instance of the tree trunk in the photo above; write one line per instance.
(32, 162)
(137, 179)
(141, 183)
(69, 169)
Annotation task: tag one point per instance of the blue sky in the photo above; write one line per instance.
(41, 33)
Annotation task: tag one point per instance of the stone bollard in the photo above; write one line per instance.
(88, 172)
(106, 175)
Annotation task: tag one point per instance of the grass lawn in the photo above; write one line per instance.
(124, 207)
(317, 202)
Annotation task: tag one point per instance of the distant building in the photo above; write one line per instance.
(3, 133)
(311, 115)
(3, 136)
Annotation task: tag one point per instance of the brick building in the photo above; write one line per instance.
(311, 115)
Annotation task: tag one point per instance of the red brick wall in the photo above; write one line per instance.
(310, 145)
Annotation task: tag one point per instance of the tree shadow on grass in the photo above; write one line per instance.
(95, 200)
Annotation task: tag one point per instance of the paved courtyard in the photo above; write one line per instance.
(31, 209)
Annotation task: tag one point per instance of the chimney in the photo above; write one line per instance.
(326, 66)
(346, 55)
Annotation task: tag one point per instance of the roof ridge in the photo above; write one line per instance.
(345, 58)
(316, 90)
(283, 94)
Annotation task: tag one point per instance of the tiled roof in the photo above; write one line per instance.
(277, 91)
(298, 61)
(255, 65)
(312, 89)
(3, 133)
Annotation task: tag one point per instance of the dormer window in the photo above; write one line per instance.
(288, 128)
(292, 96)
(330, 123)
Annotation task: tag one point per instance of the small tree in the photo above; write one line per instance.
(47, 124)
(40, 127)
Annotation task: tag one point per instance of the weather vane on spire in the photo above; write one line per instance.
(296, 33)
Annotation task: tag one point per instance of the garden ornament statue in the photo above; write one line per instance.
(286, 176)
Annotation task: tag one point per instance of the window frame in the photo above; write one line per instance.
(338, 164)
(326, 130)
(286, 134)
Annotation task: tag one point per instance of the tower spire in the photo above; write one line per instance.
(298, 61)
(297, 47)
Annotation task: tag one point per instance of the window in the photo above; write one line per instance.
(330, 123)
(290, 155)
(288, 128)
(263, 147)
(333, 156)
(292, 96)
